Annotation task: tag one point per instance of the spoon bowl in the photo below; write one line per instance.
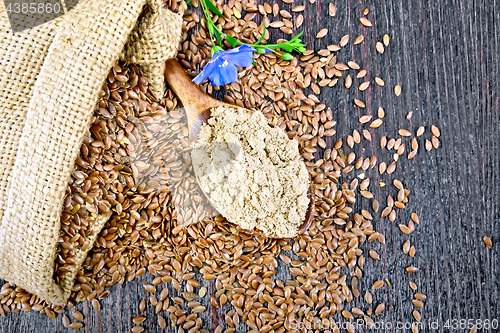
(198, 106)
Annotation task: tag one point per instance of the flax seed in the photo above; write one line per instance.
(333, 47)
(341, 67)
(363, 86)
(435, 142)
(379, 81)
(297, 9)
(75, 326)
(332, 10)
(386, 39)
(379, 308)
(142, 306)
(66, 322)
(344, 40)
(353, 65)
(359, 103)
(77, 315)
(381, 240)
(404, 132)
(346, 314)
(417, 303)
(368, 297)
(161, 322)
(404, 229)
(96, 305)
(376, 123)
(435, 131)
(428, 145)
(382, 168)
(414, 144)
(350, 141)
(406, 247)
(364, 119)
(391, 168)
(487, 241)
(359, 40)
(322, 33)
(412, 251)
(348, 81)
(379, 47)
(299, 20)
(397, 90)
(420, 296)
(374, 255)
(365, 22)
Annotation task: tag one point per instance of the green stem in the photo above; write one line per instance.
(209, 20)
(258, 46)
(293, 44)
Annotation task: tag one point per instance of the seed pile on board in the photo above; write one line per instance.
(213, 263)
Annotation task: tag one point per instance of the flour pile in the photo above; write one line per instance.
(252, 173)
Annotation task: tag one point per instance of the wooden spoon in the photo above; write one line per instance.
(198, 105)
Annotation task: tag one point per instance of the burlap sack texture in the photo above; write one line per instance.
(50, 77)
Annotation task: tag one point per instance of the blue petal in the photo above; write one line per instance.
(221, 69)
(217, 55)
(241, 56)
(224, 73)
(244, 48)
(205, 72)
(242, 59)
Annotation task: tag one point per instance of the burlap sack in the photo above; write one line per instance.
(50, 77)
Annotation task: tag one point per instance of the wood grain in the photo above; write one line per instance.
(444, 54)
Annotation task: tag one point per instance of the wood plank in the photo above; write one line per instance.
(445, 56)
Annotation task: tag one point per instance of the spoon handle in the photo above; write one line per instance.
(194, 100)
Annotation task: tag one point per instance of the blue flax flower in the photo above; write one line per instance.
(221, 69)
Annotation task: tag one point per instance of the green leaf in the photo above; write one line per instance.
(217, 35)
(216, 49)
(213, 8)
(296, 36)
(263, 34)
(210, 28)
(187, 2)
(286, 47)
(287, 56)
(270, 46)
(261, 51)
(231, 40)
(301, 49)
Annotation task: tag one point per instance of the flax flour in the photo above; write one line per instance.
(252, 173)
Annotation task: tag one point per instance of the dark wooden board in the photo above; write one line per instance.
(444, 54)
